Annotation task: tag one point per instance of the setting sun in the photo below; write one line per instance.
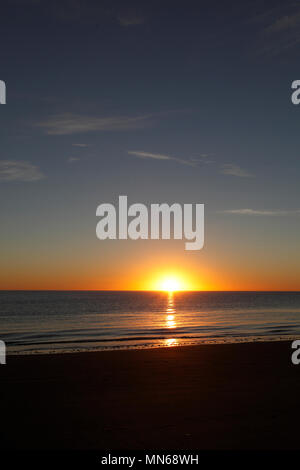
(171, 281)
(171, 285)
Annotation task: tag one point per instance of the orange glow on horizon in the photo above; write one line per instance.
(165, 272)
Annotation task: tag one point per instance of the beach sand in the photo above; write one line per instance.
(238, 396)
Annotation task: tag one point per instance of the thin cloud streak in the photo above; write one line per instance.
(11, 170)
(159, 156)
(258, 212)
(203, 159)
(280, 31)
(284, 23)
(68, 123)
(235, 170)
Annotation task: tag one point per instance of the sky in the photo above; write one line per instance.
(186, 102)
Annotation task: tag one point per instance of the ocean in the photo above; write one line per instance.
(68, 321)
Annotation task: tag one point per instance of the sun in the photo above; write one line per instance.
(171, 284)
(172, 280)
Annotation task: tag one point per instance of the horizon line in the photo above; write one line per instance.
(143, 290)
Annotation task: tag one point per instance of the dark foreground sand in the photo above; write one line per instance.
(243, 396)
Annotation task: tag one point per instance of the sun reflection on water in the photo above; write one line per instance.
(171, 342)
(170, 320)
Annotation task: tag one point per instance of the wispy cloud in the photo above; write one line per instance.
(73, 159)
(159, 156)
(287, 22)
(280, 28)
(68, 123)
(235, 170)
(203, 158)
(11, 170)
(262, 212)
(80, 145)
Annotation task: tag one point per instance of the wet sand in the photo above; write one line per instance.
(239, 396)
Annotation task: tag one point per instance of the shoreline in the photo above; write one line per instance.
(262, 339)
(224, 396)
